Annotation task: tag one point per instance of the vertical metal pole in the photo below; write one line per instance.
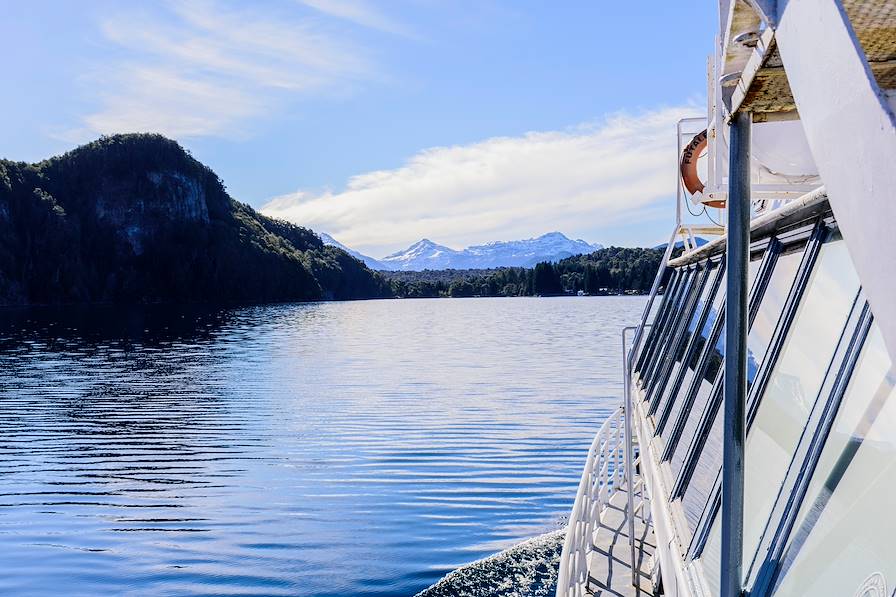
(629, 448)
(678, 175)
(736, 328)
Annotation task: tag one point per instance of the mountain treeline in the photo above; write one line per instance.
(135, 218)
(614, 270)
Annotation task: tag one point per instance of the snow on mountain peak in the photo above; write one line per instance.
(368, 261)
(425, 254)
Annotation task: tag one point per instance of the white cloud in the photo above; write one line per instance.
(360, 13)
(576, 181)
(206, 67)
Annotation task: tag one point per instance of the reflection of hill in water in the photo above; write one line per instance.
(130, 373)
(117, 410)
(146, 325)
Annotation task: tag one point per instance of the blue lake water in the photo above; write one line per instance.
(362, 448)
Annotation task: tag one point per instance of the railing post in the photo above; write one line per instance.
(629, 447)
(735, 381)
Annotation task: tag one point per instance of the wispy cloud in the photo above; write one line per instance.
(206, 67)
(360, 13)
(578, 181)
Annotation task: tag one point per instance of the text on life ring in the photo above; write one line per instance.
(688, 167)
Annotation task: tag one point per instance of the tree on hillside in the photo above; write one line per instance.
(547, 279)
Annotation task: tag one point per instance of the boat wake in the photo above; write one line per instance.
(528, 569)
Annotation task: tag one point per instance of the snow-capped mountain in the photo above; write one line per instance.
(552, 246)
(423, 254)
(426, 254)
(368, 261)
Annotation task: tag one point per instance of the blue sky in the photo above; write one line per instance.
(382, 122)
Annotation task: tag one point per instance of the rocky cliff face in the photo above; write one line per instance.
(134, 218)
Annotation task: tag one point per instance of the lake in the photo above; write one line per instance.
(362, 448)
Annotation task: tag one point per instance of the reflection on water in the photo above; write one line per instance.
(308, 449)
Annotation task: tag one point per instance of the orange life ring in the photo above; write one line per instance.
(688, 167)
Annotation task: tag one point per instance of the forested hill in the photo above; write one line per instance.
(135, 218)
(614, 270)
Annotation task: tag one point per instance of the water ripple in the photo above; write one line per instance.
(315, 449)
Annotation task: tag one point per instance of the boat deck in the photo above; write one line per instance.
(610, 570)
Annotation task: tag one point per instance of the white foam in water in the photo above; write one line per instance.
(528, 569)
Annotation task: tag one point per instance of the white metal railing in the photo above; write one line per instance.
(613, 458)
(603, 474)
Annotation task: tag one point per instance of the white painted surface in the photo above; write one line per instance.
(850, 128)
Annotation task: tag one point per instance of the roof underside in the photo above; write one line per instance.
(768, 94)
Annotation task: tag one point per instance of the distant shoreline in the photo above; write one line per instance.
(13, 307)
(609, 271)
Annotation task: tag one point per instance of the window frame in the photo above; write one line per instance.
(664, 367)
(656, 330)
(808, 454)
(671, 289)
(820, 235)
(675, 388)
(817, 234)
(662, 340)
(772, 249)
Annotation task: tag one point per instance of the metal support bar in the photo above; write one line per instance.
(735, 380)
(639, 332)
(629, 448)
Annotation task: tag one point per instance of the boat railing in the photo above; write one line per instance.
(612, 458)
(603, 475)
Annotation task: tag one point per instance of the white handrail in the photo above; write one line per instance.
(601, 478)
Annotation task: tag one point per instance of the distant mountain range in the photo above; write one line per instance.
(368, 261)
(426, 254)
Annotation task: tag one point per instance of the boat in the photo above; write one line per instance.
(754, 448)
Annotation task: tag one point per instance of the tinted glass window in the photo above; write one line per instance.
(753, 267)
(793, 387)
(658, 301)
(712, 316)
(711, 367)
(710, 458)
(656, 329)
(794, 384)
(671, 388)
(667, 328)
(772, 303)
(842, 542)
(660, 305)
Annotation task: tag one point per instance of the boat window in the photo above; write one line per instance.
(684, 387)
(654, 309)
(842, 540)
(669, 326)
(793, 387)
(671, 315)
(678, 342)
(710, 455)
(711, 367)
(660, 296)
(711, 364)
(654, 330)
(664, 310)
(753, 268)
(670, 389)
(773, 300)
